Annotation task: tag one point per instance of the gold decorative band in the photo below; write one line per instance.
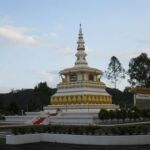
(81, 99)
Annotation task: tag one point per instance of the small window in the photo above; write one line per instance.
(73, 77)
(91, 77)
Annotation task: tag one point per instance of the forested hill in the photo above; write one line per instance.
(122, 98)
(26, 99)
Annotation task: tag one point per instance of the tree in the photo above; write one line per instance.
(124, 99)
(115, 71)
(42, 87)
(112, 114)
(103, 114)
(13, 108)
(123, 114)
(139, 71)
(1, 103)
(42, 94)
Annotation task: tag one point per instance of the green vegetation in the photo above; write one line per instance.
(139, 75)
(86, 130)
(139, 71)
(115, 70)
(124, 99)
(26, 99)
(123, 114)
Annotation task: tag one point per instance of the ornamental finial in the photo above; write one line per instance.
(80, 29)
(81, 60)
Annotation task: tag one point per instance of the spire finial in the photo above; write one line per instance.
(81, 60)
(80, 29)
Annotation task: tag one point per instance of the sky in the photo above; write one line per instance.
(38, 37)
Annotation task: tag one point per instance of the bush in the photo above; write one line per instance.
(132, 113)
(92, 130)
(114, 130)
(22, 130)
(49, 130)
(15, 131)
(32, 130)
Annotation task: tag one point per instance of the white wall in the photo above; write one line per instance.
(18, 119)
(79, 139)
(97, 140)
(23, 139)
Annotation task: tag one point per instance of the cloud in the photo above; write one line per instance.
(126, 56)
(64, 50)
(51, 77)
(51, 34)
(143, 41)
(89, 50)
(4, 89)
(18, 36)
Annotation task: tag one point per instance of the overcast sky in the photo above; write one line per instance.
(38, 37)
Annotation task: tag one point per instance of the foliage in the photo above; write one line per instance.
(132, 113)
(26, 99)
(42, 94)
(115, 70)
(13, 108)
(87, 130)
(139, 71)
(2, 117)
(123, 99)
(103, 114)
(112, 114)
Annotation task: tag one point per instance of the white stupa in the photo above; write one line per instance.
(79, 96)
(81, 92)
(81, 84)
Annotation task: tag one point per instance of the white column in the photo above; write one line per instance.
(67, 78)
(134, 99)
(95, 78)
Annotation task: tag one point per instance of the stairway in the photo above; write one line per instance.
(39, 121)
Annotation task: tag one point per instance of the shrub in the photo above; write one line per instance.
(92, 130)
(32, 130)
(49, 130)
(122, 130)
(144, 130)
(114, 130)
(22, 130)
(15, 131)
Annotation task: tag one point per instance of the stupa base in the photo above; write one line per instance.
(82, 114)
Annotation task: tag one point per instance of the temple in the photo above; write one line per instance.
(81, 84)
(81, 93)
(79, 97)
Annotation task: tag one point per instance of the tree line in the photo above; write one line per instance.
(20, 101)
(138, 71)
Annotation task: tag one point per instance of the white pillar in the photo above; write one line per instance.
(134, 99)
